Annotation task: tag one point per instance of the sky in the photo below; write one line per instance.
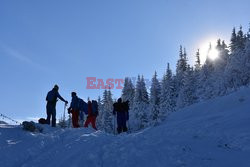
(63, 42)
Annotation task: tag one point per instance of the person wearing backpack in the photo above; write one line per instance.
(74, 109)
(51, 99)
(92, 114)
(83, 108)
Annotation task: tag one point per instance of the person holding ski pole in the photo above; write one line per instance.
(51, 99)
(74, 109)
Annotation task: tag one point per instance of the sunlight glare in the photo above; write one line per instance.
(206, 51)
(213, 53)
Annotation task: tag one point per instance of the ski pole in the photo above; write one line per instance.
(64, 111)
(114, 124)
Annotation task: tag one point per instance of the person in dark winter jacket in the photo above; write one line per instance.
(74, 109)
(91, 118)
(120, 109)
(51, 99)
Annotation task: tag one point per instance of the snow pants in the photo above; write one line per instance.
(90, 119)
(121, 122)
(51, 111)
(75, 116)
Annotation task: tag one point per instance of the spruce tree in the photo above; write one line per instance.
(168, 95)
(233, 40)
(100, 118)
(219, 69)
(180, 72)
(235, 72)
(198, 61)
(240, 39)
(180, 69)
(155, 91)
(206, 79)
(108, 111)
(188, 92)
(128, 93)
(247, 62)
(140, 105)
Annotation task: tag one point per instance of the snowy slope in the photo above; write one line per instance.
(214, 133)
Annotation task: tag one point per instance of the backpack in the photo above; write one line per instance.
(51, 96)
(42, 121)
(83, 106)
(95, 108)
(31, 126)
(126, 105)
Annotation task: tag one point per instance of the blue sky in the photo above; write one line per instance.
(63, 42)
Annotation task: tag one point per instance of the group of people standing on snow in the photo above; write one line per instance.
(78, 107)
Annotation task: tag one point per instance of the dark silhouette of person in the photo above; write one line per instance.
(74, 109)
(91, 118)
(120, 109)
(51, 99)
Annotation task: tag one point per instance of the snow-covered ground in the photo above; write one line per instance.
(214, 133)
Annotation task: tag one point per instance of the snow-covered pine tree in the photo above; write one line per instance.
(128, 93)
(235, 72)
(155, 91)
(187, 94)
(62, 122)
(198, 61)
(100, 118)
(219, 68)
(247, 58)
(180, 75)
(181, 67)
(168, 95)
(108, 111)
(233, 40)
(144, 91)
(206, 79)
(141, 104)
(181, 64)
(240, 39)
(197, 75)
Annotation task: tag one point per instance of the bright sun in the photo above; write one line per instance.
(208, 49)
(213, 53)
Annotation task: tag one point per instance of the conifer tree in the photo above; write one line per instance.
(188, 92)
(140, 105)
(240, 39)
(100, 118)
(155, 91)
(198, 61)
(233, 40)
(235, 72)
(168, 95)
(128, 91)
(108, 111)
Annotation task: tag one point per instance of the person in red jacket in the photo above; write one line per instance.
(91, 117)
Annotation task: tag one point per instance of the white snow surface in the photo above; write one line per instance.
(213, 133)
